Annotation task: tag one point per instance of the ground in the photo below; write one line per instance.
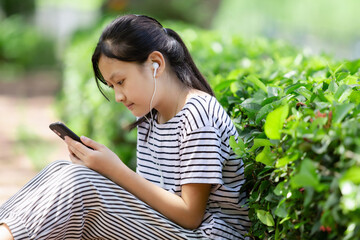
(26, 110)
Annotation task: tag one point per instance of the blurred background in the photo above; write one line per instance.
(45, 69)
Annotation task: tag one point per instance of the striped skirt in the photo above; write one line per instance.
(69, 201)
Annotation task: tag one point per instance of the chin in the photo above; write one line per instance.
(139, 114)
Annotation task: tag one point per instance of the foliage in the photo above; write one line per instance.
(22, 47)
(297, 116)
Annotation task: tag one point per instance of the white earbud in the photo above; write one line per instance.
(155, 66)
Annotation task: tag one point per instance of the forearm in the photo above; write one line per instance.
(187, 210)
(169, 204)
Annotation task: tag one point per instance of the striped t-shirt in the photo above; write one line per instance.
(193, 147)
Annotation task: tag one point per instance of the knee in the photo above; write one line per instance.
(59, 164)
(77, 179)
(54, 167)
(76, 173)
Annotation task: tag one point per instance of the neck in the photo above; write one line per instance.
(172, 104)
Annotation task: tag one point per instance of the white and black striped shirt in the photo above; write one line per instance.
(193, 147)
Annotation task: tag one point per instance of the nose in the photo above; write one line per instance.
(119, 96)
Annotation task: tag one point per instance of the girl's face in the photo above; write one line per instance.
(132, 83)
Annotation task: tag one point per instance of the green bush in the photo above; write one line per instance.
(297, 115)
(300, 134)
(299, 122)
(23, 48)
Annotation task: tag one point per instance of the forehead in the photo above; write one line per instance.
(111, 67)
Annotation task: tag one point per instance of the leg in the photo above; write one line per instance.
(5, 233)
(69, 201)
(19, 209)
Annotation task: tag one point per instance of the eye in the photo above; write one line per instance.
(121, 82)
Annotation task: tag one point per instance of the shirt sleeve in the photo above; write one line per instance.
(201, 159)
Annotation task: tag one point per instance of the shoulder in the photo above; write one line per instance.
(196, 111)
(205, 111)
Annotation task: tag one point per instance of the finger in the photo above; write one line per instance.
(76, 147)
(70, 146)
(79, 153)
(75, 160)
(90, 143)
(71, 151)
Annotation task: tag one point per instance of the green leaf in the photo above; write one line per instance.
(251, 107)
(257, 82)
(238, 147)
(273, 91)
(269, 100)
(331, 201)
(263, 112)
(321, 96)
(234, 87)
(309, 193)
(265, 217)
(270, 106)
(340, 111)
(307, 176)
(355, 97)
(281, 210)
(334, 69)
(279, 189)
(292, 88)
(260, 142)
(353, 66)
(342, 75)
(265, 157)
(275, 121)
(350, 80)
(352, 174)
(304, 92)
(284, 220)
(333, 86)
(342, 93)
(287, 159)
(223, 85)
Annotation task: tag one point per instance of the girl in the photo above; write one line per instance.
(188, 180)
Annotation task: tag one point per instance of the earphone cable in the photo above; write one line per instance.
(151, 123)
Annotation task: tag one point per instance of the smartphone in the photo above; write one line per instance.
(62, 131)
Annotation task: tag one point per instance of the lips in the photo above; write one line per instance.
(129, 106)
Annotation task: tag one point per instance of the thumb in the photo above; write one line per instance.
(89, 142)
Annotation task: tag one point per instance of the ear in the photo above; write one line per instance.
(157, 57)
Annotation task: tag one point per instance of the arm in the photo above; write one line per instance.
(187, 210)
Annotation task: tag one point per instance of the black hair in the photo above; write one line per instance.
(132, 38)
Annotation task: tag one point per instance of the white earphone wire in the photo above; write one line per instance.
(151, 129)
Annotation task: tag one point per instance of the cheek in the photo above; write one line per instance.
(139, 94)
(145, 90)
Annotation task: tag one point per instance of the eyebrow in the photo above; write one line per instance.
(115, 74)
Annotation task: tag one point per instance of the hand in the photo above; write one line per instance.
(99, 158)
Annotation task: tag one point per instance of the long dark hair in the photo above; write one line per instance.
(132, 38)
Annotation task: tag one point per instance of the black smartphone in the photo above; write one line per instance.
(62, 130)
